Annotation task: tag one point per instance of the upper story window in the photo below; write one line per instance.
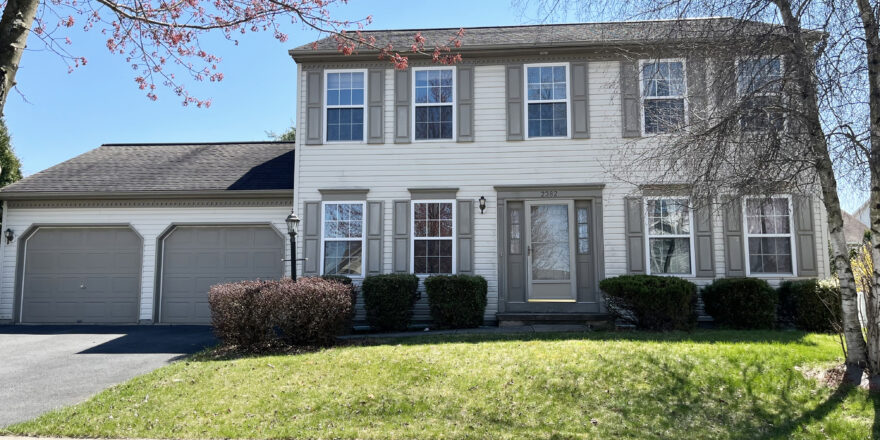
(663, 95)
(433, 236)
(759, 84)
(547, 100)
(345, 106)
(434, 109)
(343, 238)
(669, 236)
(768, 226)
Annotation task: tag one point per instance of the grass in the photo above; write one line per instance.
(706, 384)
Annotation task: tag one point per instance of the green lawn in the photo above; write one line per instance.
(707, 384)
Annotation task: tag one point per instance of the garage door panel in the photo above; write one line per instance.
(81, 275)
(217, 254)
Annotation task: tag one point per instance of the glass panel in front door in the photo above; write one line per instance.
(550, 246)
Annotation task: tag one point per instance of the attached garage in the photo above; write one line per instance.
(137, 233)
(81, 275)
(194, 258)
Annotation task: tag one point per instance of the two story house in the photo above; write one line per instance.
(495, 166)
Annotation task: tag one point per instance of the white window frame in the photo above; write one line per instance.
(454, 103)
(642, 96)
(363, 234)
(757, 58)
(689, 236)
(567, 100)
(413, 238)
(363, 106)
(790, 236)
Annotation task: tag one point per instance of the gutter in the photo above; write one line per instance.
(130, 195)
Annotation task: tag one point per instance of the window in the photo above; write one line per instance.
(547, 100)
(663, 91)
(515, 234)
(583, 230)
(759, 83)
(669, 241)
(768, 226)
(343, 238)
(345, 106)
(434, 92)
(433, 237)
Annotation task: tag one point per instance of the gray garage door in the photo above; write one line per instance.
(197, 257)
(81, 275)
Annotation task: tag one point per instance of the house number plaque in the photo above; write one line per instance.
(549, 194)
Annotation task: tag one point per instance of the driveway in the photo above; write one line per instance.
(47, 367)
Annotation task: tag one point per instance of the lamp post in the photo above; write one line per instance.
(292, 227)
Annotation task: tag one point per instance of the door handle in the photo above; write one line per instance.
(529, 250)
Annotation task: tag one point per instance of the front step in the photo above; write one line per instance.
(592, 320)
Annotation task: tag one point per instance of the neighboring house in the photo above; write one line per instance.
(863, 213)
(853, 229)
(492, 167)
(392, 168)
(137, 233)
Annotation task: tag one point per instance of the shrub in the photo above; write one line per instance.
(353, 289)
(457, 301)
(652, 302)
(811, 305)
(241, 314)
(310, 311)
(389, 299)
(744, 303)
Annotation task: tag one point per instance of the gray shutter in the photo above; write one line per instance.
(514, 93)
(311, 239)
(465, 103)
(376, 106)
(314, 107)
(402, 103)
(805, 237)
(375, 226)
(635, 235)
(629, 99)
(703, 248)
(580, 101)
(734, 248)
(400, 245)
(724, 77)
(696, 88)
(464, 235)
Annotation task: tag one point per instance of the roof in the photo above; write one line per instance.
(853, 228)
(160, 168)
(561, 35)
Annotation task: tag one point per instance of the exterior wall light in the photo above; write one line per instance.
(482, 204)
(9, 235)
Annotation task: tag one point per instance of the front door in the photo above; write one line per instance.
(550, 252)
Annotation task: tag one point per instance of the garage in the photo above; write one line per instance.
(88, 275)
(196, 257)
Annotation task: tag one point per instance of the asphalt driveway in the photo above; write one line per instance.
(47, 367)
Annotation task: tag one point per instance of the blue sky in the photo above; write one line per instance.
(60, 115)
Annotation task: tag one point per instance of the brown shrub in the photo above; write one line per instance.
(241, 314)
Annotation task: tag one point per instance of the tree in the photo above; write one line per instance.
(10, 166)
(160, 39)
(288, 135)
(810, 117)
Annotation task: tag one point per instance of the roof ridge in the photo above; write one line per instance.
(159, 144)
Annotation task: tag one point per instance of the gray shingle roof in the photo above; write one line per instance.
(853, 228)
(575, 34)
(125, 168)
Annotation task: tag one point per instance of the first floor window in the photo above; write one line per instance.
(547, 100)
(769, 234)
(343, 238)
(668, 226)
(663, 92)
(433, 237)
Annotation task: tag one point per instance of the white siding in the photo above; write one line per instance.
(149, 222)
(475, 168)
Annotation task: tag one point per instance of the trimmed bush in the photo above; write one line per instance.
(310, 311)
(354, 291)
(389, 299)
(652, 302)
(811, 305)
(241, 314)
(743, 303)
(457, 301)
